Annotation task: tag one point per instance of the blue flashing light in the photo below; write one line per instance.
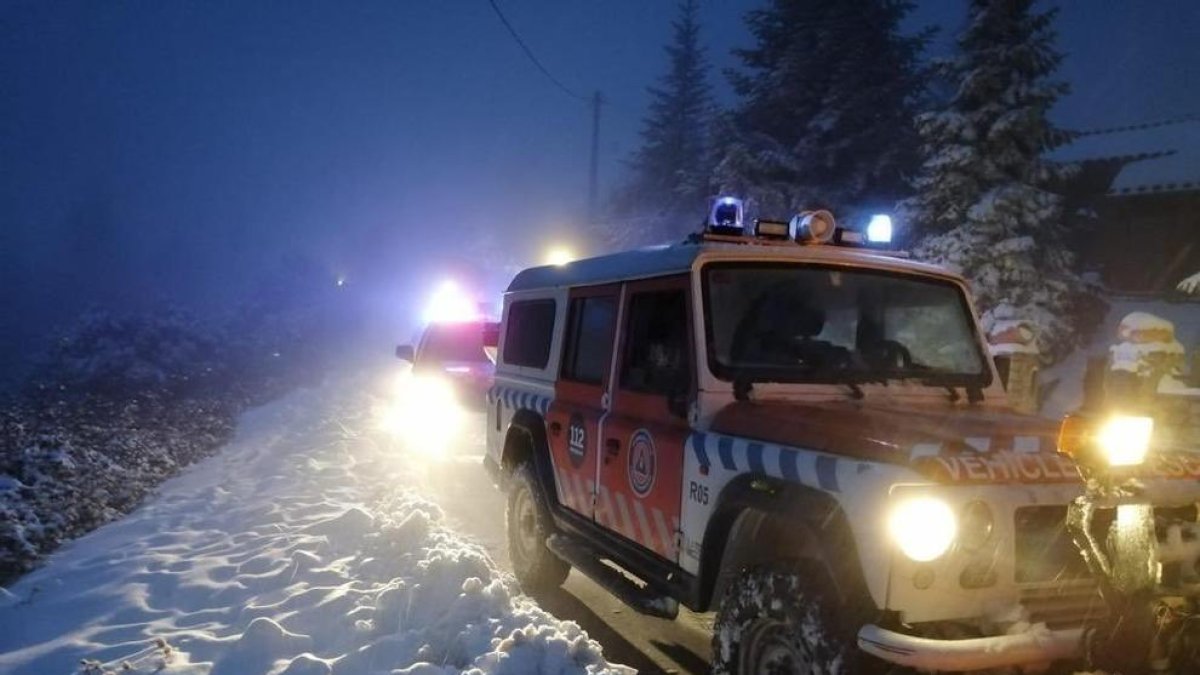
(725, 217)
(879, 229)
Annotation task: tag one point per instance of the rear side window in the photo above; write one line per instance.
(527, 337)
(589, 345)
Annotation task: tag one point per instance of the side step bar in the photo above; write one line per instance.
(587, 560)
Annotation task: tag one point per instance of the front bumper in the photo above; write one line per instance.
(970, 654)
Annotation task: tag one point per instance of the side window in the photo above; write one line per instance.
(656, 344)
(588, 349)
(528, 334)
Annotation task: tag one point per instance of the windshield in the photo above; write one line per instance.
(806, 323)
(461, 342)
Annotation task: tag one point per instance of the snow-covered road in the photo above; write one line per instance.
(309, 545)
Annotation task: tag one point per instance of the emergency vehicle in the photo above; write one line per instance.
(789, 425)
(456, 352)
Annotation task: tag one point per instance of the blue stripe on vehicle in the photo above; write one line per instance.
(517, 399)
(827, 473)
(725, 448)
(755, 454)
(788, 464)
(697, 441)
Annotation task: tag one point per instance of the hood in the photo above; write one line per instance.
(942, 442)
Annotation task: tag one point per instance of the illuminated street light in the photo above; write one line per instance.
(559, 256)
(450, 304)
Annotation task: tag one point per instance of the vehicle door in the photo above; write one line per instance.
(642, 466)
(581, 394)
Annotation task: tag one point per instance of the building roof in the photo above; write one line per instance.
(1155, 157)
(657, 261)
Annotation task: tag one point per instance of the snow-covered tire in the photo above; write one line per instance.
(529, 525)
(784, 620)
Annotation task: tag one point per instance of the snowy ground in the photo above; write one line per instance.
(305, 547)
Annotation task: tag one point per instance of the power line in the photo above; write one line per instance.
(528, 52)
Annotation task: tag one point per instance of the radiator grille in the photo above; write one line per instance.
(1044, 550)
(1067, 605)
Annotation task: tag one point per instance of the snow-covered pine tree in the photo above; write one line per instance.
(984, 193)
(669, 171)
(828, 94)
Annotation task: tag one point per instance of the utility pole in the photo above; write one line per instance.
(597, 101)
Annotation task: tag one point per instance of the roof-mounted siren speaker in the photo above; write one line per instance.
(726, 216)
(814, 227)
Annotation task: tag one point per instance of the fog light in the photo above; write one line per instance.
(1125, 439)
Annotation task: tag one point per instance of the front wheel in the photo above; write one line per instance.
(783, 621)
(529, 525)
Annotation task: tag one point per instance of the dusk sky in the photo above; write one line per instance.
(218, 135)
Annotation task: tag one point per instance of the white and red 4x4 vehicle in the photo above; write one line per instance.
(810, 439)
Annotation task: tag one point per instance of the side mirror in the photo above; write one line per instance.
(491, 340)
(405, 353)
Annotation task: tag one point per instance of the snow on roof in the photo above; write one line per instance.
(657, 261)
(1156, 157)
(1136, 324)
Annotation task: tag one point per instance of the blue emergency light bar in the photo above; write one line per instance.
(879, 229)
(772, 229)
(726, 221)
(725, 216)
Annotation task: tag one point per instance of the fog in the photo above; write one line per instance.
(172, 152)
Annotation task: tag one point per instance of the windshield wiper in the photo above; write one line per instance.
(974, 392)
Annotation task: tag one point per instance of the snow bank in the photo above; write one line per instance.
(300, 549)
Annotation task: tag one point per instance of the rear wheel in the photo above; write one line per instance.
(529, 525)
(784, 621)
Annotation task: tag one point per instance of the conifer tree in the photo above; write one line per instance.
(984, 197)
(828, 94)
(669, 171)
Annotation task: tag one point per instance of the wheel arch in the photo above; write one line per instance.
(525, 441)
(759, 519)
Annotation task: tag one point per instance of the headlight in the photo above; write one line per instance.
(1125, 439)
(426, 414)
(923, 527)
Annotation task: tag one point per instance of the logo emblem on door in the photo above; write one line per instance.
(643, 463)
(577, 440)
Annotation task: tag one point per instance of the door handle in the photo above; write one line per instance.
(612, 448)
(555, 428)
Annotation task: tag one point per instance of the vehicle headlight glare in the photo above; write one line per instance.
(1125, 439)
(923, 528)
(426, 415)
